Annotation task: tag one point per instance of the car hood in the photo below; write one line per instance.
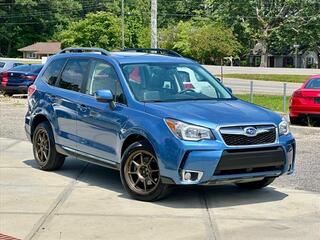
(213, 113)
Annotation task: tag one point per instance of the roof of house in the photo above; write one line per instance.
(42, 47)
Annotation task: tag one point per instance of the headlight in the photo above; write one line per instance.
(284, 127)
(188, 132)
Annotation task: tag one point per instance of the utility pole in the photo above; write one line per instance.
(154, 14)
(122, 22)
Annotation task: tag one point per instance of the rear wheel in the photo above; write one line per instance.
(44, 149)
(7, 94)
(256, 184)
(140, 173)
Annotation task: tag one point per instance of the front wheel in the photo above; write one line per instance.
(140, 173)
(256, 184)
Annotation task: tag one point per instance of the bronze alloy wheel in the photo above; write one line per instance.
(141, 172)
(42, 146)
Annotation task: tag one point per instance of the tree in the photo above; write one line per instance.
(24, 22)
(264, 19)
(206, 43)
(101, 29)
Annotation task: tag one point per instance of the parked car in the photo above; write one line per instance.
(305, 102)
(135, 112)
(18, 79)
(8, 64)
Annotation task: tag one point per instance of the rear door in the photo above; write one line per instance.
(98, 125)
(65, 98)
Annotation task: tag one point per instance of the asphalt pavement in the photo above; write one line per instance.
(242, 86)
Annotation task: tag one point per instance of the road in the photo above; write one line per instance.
(260, 87)
(257, 70)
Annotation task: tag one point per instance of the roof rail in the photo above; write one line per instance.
(85, 49)
(154, 50)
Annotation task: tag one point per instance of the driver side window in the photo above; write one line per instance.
(103, 77)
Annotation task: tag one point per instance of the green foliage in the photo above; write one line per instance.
(206, 30)
(99, 29)
(274, 103)
(205, 43)
(24, 22)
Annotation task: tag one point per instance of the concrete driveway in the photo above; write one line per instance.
(83, 201)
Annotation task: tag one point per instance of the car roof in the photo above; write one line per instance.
(314, 76)
(130, 57)
(9, 61)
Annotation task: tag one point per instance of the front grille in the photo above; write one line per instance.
(267, 136)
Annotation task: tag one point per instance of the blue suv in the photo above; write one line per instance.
(160, 119)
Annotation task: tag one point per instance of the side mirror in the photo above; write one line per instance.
(229, 89)
(105, 96)
(219, 79)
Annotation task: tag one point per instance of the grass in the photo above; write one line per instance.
(274, 103)
(269, 77)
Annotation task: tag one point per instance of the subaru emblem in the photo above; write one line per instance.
(250, 131)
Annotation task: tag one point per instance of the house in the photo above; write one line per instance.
(40, 49)
(290, 58)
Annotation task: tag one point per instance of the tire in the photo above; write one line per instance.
(295, 120)
(44, 149)
(256, 184)
(139, 171)
(7, 94)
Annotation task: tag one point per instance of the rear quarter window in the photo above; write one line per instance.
(52, 72)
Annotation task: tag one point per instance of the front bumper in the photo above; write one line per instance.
(223, 164)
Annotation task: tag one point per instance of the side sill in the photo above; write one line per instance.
(87, 157)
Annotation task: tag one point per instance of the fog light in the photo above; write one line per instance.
(187, 176)
(191, 177)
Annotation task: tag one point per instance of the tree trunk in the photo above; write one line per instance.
(264, 53)
(9, 49)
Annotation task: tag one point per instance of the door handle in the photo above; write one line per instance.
(83, 108)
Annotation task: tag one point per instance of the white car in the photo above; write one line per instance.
(8, 64)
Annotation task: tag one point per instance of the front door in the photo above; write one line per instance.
(98, 125)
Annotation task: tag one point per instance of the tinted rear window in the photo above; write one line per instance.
(2, 64)
(313, 84)
(22, 68)
(28, 68)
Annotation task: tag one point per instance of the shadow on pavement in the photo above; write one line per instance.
(218, 196)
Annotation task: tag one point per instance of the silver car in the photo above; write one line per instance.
(8, 64)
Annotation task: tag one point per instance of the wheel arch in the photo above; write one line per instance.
(36, 121)
(132, 138)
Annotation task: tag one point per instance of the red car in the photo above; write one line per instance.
(305, 102)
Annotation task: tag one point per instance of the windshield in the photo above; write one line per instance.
(162, 82)
(313, 84)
